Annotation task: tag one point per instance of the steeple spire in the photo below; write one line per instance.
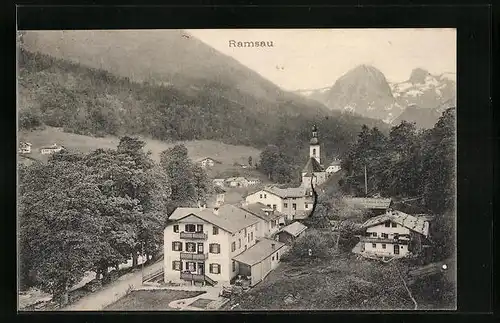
(314, 148)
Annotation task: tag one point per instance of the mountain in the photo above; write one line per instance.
(171, 58)
(364, 90)
(422, 117)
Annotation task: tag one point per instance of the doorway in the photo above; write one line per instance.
(396, 249)
(201, 268)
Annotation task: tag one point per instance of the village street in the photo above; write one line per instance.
(114, 291)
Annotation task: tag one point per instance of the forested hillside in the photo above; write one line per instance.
(94, 102)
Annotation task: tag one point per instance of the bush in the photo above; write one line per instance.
(321, 243)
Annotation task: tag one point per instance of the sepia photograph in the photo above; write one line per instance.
(236, 170)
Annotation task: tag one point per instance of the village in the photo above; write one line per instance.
(232, 242)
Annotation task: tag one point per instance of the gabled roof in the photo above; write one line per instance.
(203, 158)
(258, 209)
(288, 192)
(406, 220)
(294, 228)
(219, 190)
(259, 251)
(313, 166)
(335, 162)
(239, 178)
(229, 218)
(368, 203)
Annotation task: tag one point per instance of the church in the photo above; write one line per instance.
(313, 172)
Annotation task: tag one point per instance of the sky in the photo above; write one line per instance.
(316, 58)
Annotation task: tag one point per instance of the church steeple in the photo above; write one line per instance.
(314, 148)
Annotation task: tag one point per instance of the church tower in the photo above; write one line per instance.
(314, 149)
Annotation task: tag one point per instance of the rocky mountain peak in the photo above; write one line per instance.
(418, 76)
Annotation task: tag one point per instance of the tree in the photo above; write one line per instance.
(268, 160)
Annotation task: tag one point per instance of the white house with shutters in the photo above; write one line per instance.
(214, 245)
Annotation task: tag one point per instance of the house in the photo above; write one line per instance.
(394, 234)
(291, 232)
(253, 181)
(295, 202)
(200, 243)
(375, 205)
(313, 173)
(333, 167)
(24, 148)
(220, 193)
(207, 162)
(237, 182)
(271, 219)
(54, 148)
(219, 182)
(260, 259)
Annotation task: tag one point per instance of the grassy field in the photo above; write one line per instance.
(150, 300)
(342, 282)
(227, 154)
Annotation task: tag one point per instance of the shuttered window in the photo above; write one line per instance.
(177, 246)
(214, 268)
(214, 248)
(177, 265)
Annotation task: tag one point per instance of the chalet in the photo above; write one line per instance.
(376, 205)
(212, 246)
(295, 202)
(253, 181)
(291, 232)
(50, 149)
(236, 182)
(207, 162)
(24, 148)
(219, 182)
(271, 219)
(394, 234)
(333, 167)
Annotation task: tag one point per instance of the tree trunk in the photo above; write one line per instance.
(134, 260)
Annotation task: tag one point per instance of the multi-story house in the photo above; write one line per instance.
(24, 148)
(50, 149)
(394, 234)
(201, 245)
(207, 162)
(294, 202)
(333, 167)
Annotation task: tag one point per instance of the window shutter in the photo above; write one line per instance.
(181, 265)
(173, 265)
(186, 228)
(173, 246)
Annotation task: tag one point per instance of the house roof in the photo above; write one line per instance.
(406, 220)
(294, 228)
(335, 162)
(312, 165)
(369, 203)
(229, 218)
(287, 192)
(259, 251)
(254, 179)
(258, 209)
(219, 190)
(203, 158)
(239, 178)
(218, 179)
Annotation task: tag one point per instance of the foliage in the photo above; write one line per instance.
(320, 243)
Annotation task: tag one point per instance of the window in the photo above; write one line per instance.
(374, 234)
(387, 224)
(306, 205)
(233, 246)
(190, 246)
(383, 245)
(314, 151)
(394, 225)
(374, 245)
(277, 256)
(190, 228)
(245, 231)
(402, 247)
(239, 243)
(260, 195)
(294, 206)
(248, 237)
(177, 265)
(234, 265)
(273, 258)
(214, 268)
(215, 230)
(385, 235)
(176, 228)
(177, 246)
(199, 228)
(285, 205)
(251, 236)
(214, 248)
(245, 247)
(265, 196)
(191, 266)
(274, 207)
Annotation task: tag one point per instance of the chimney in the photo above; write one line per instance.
(216, 210)
(273, 246)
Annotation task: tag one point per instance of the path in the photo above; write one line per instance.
(111, 293)
(212, 293)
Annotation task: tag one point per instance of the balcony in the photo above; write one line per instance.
(401, 240)
(194, 235)
(193, 256)
(192, 277)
